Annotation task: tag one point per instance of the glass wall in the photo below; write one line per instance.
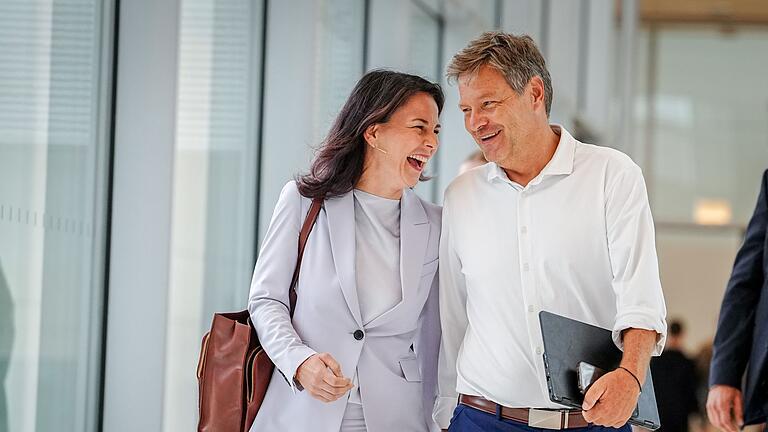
(54, 81)
(463, 21)
(700, 133)
(214, 184)
(311, 66)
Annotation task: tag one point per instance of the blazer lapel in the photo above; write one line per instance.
(414, 234)
(341, 225)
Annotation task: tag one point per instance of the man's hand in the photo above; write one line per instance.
(724, 408)
(611, 400)
(321, 376)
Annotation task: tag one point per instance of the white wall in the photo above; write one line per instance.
(702, 136)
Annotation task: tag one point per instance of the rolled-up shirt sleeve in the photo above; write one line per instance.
(634, 263)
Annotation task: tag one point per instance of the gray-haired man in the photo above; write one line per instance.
(549, 224)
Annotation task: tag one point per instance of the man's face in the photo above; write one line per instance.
(494, 114)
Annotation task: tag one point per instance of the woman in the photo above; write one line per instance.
(361, 351)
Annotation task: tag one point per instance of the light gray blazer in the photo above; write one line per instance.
(396, 360)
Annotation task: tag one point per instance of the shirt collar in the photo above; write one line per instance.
(560, 164)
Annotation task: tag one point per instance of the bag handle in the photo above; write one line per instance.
(309, 223)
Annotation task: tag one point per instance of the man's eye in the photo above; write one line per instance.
(489, 104)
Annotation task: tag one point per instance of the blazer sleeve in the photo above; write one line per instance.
(268, 302)
(732, 346)
(427, 346)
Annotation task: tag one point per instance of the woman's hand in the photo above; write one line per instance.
(321, 376)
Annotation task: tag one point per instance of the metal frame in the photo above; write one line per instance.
(114, 13)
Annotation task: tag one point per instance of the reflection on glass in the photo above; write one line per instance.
(6, 342)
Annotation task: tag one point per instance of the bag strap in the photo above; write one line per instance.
(309, 223)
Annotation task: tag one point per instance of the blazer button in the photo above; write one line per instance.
(358, 334)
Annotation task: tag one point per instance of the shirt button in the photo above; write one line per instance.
(539, 351)
(358, 334)
(525, 267)
(530, 308)
(524, 230)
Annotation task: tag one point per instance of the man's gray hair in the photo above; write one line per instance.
(515, 57)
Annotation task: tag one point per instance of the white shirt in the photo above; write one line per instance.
(578, 241)
(377, 260)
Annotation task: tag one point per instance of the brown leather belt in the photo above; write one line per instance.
(540, 418)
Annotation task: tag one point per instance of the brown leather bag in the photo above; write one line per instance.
(233, 371)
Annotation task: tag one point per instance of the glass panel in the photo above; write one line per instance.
(53, 161)
(709, 132)
(434, 6)
(423, 52)
(338, 59)
(700, 136)
(214, 184)
(312, 67)
(423, 43)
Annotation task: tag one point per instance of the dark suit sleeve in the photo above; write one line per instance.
(732, 344)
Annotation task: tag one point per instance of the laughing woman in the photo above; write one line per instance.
(361, 351)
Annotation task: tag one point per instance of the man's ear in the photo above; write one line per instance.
(538, 98)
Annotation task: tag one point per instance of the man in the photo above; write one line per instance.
(674, 380)
(741, 342)
(551, 224)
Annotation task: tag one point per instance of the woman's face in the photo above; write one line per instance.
(398, 151)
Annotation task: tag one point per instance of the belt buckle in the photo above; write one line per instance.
(546, 419)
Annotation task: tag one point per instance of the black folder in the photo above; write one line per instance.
(568, 342)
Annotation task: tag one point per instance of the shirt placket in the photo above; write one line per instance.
(528, 279)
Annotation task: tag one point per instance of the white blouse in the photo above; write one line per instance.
(377, 260)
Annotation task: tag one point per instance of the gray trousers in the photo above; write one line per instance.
(354, 420)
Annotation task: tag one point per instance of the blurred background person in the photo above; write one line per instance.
(702, 361)
(475, 159)
(674, 380)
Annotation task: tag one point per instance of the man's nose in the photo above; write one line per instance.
(476, 122)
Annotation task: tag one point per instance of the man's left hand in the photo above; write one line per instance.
(611, 400)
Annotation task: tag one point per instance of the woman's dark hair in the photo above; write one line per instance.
(338, 164)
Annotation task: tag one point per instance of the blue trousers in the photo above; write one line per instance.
(468, 419)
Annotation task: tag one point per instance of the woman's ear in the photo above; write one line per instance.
(370, 134)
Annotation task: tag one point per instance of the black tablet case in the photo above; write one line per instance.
(568, 342)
